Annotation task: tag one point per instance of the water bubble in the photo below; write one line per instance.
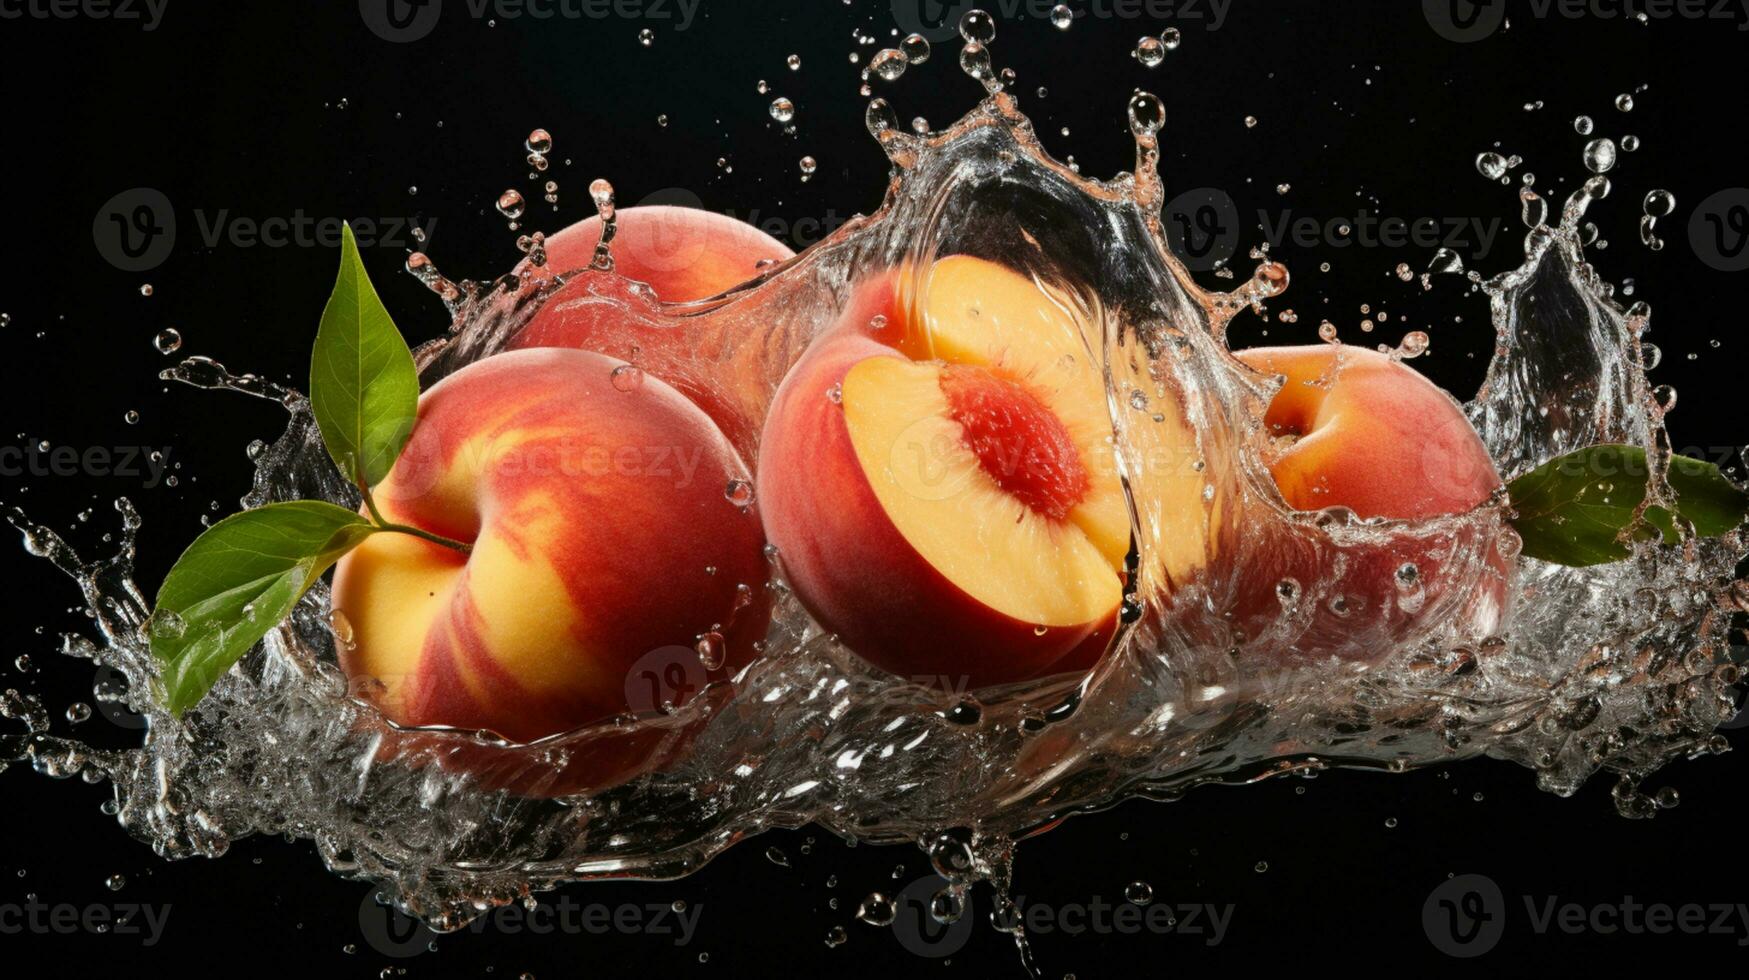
(131, 417)
(808, 166)
(539, 141)
(1147, 114)
(836, 936)
(1250, 122)
(975, 60)
(739, 493)
(1062, 18)
(1150, 51)
(1327, 332)
(627, 378)
(1415, 343)
(1172, 37)
(889, 64)
(876, 910)
(1491, 165)
(794, 62)
(1600, 156)
(1138, 893)
(1630, 143)
(646, 37)
(168, 340)
(880, 117)
(783, 110)
(78, 712)
(712, 649)
(1583, 126)
(777, 857)
(977, 27)
(115, 883)
(146, 289)
(1624, 102)
(511, 204)
(916, 49)
(1659, 203)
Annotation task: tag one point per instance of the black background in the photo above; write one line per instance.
(263, 111)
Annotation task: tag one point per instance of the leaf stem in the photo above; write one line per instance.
(377, 516)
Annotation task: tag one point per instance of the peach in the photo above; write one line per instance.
(1356, 429)
(682, 254)
(940, 483)
(597, 505)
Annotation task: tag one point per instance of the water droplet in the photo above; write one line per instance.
(1583, 126)
(836, 936)
(739, 493)
(1600, 156)
(1624, 102)
(1660, 203)
(777, 857)
(1138, 893)
(539, 141)
(646, 37)
(1491, 165)
(627, 378)
(1062, 18)
(876, 910)
(783, 110)
(794, 61)
(1150, 51)
(916, 48)
(1147, 114)
(115, 883)
(808, 166)
(889, 64)
(712, 649)
(977, 27)
(511, 204)
(1172, 37)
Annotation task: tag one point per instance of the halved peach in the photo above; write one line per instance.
(940, 482)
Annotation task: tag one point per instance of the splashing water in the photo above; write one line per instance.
(1619, 668)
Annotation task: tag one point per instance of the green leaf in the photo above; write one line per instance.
(1572, 509)
(238, 580)
(364, 388)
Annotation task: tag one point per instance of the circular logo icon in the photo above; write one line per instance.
(1464, 21)
(135, 230)
(934, 19)
(919, 931)
(666, 676)
(1202, 228)
(1719, 230)
(109, 683)
(1465, 917)
(390, 931)
(400, 21)
(668, 242)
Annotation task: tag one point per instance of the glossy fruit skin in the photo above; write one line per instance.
(570, 485)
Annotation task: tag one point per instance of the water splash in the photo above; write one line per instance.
(1620, 668)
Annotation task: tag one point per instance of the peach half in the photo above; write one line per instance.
(940, 482)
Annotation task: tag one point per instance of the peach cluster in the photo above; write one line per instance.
(936, 476)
